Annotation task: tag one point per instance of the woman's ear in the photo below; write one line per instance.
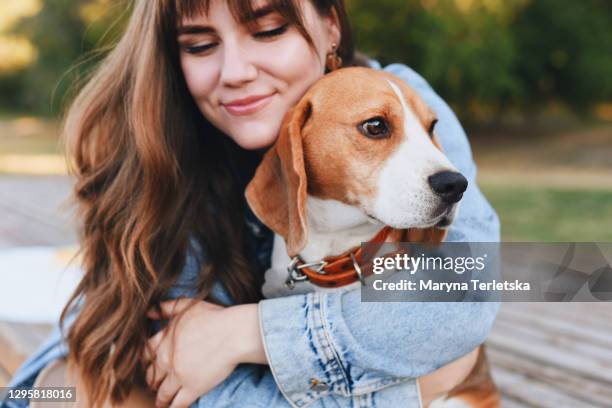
(277, 192)
(333, 27)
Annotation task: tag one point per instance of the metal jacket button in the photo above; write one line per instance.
(318, 386)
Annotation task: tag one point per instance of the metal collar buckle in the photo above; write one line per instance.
(295, 271)
(358, 269)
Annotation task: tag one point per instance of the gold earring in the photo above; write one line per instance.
(333, 60)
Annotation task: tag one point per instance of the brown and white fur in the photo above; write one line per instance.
(327, 185)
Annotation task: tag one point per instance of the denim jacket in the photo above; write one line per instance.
(330, 349)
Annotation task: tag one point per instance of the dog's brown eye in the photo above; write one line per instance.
(374, 128)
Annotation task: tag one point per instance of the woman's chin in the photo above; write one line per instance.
(255, 142)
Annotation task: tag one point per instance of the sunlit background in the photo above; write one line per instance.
(531, 81)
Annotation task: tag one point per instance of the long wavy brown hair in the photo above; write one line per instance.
(153, 180)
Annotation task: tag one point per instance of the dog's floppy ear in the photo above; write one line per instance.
(277, 193)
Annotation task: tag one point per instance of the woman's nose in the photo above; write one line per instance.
(237, 66)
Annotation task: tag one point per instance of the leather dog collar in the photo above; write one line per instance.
(334, 271)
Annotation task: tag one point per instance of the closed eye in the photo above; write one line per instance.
(272, 33)
(196, 49)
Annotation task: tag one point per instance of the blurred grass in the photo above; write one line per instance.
(552, 215)
(551, 183)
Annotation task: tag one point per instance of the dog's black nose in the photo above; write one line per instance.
(449, 185)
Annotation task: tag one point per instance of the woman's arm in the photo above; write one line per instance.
(324, 346)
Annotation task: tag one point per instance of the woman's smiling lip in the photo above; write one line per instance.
(247, 106)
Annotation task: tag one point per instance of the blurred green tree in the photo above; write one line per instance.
(464, 48)
(65, 34)
(566, 53)
(489, 56)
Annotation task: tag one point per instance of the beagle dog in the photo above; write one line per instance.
(357, 161)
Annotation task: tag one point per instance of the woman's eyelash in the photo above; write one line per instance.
(272, 33)
(199, 48)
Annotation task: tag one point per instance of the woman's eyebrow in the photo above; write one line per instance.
(261, 12)
(194, 29)
(203, 29)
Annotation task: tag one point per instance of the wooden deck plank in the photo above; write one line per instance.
(5, 377)
(593, 392)
(559, 341)
(561, 326)
(592, 315)
(533, 345)
(564, 349)
(584, 310)
(18, 341)
(564, 330)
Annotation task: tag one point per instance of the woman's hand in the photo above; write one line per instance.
(199, 350)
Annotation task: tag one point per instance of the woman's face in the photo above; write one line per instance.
(245, 81)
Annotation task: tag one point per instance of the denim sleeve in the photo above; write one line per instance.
(323, 344)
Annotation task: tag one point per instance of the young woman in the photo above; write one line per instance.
(163, 140)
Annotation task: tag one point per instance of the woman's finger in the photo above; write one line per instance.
(167, 390)
(155, 375)
(150, 376)
(182, 399)
(152, 347)
(170, 308)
